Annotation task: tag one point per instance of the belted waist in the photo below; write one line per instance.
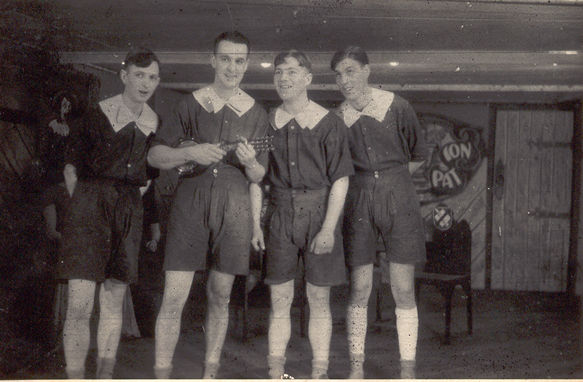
(114, 182)
(396, 170)
(284, 196)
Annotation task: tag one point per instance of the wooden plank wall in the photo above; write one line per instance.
(498, 238)
(531, 224)
(579, 190)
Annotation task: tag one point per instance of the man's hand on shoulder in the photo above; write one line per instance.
(59, 128)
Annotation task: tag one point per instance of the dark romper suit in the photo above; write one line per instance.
(103, 229)
(210, 215)
(311, 153)
(381, 199)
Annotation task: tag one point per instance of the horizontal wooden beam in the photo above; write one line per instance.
(395, 59)
(411, 87)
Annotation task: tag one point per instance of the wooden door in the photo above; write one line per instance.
(531, 199)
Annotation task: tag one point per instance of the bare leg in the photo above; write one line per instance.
(76, 328)
(218, 293)
(279, 333)
(111, 294)
(319, 328)
(402, 286)
(176, 291)
(356, 317)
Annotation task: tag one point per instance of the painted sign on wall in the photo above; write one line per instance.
(456, 153)
(452, 183)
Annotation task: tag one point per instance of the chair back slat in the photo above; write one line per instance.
(450, 251)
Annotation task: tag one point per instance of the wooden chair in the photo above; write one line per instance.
(240, 302)
(448, 265)
(242, 286)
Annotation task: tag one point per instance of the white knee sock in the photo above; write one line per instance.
(319, 369)
(167, 332)
(356, 324)
(276, 366)
(407, 326)
(320, 334)
(76, 339)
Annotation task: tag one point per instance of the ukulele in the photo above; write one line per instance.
(188, 169)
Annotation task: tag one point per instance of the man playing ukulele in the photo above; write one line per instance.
(210, 222)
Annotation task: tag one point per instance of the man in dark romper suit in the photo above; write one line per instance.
(387, 145)
(105, 174)
(308, 178)
(210, 222)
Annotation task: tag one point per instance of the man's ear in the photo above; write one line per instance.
(309, 78)
(213, 61)
(123, 75)
(366, 70)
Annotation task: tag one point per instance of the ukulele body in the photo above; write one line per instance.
(192, 168)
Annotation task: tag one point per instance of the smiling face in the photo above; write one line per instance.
(352, 78)
(291, 80)
(230, 63)
(140, 83)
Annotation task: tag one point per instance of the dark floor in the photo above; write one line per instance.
(516, 335)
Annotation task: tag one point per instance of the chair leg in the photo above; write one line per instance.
(245, 328)
(468, 291)
(239, 301)
(303, 303)
(447, 293)
(379, 304)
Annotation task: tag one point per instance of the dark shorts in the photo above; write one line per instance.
(58, 196)
(294, 218)
(384, 205)
(102, 232)
(210, 224)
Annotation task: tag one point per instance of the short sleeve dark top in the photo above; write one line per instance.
(395, 141)
(192, 121)
(309, 158)
(97, 151)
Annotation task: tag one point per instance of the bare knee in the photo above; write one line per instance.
(404, 297)
(360, 292)
(176, 291)
(361, 280)
(79, 311)
(318, 298)
(80, 299)
(111, 297)
(281, 300)
(402, 285)
(218, 297)
(172, 305)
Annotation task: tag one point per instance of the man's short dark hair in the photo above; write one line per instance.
(301, 57)
(235, 37)
(354, 52)
(139, 56)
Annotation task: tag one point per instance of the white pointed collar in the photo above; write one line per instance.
(308, 118)
(381, 101)
(240, 102)
(119, 115)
